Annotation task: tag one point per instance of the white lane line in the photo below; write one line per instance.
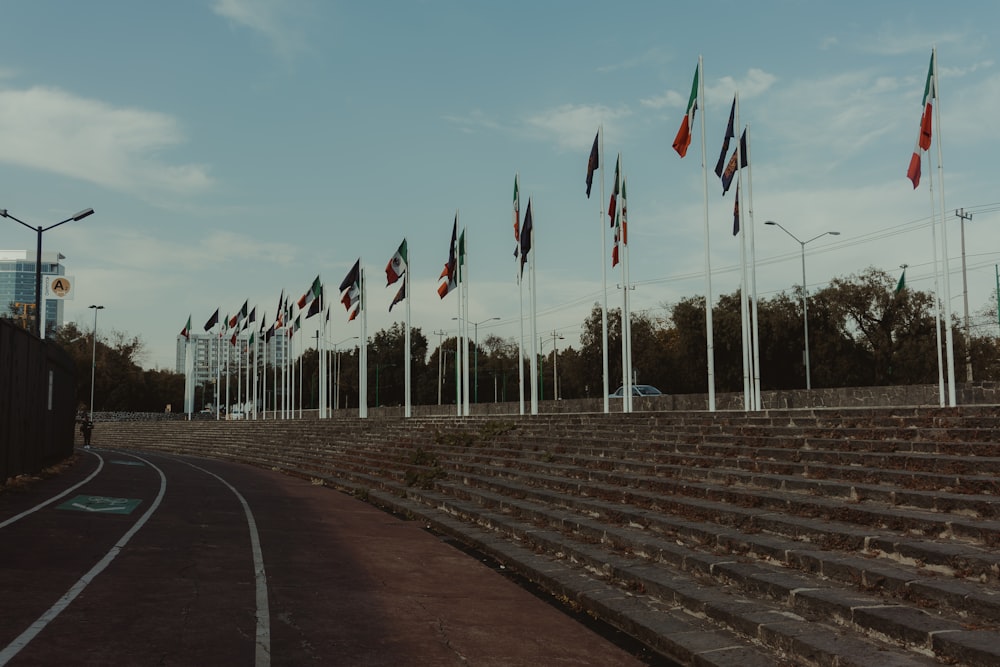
(262, 655)
(100, 466)
(22, 640)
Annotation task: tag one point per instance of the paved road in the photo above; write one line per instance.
(142, 559)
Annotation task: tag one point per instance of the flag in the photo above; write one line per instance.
(270, 333)
(526, 232)
(924, 138)
(238, 317)
(186, 331)
(517, 215)
(251, 318)
(397, 265)
(621, 230)
(612, 206)
(311, 293)
(449, 275)
(913, 171)
(736, 212)
(930, 94)
(313, 308)
(901, 285)
(278, 321)
(400, 295)
(683, 138)
(350, 288)
(730, 134)
(461, 256)
(213, 320)
(593, 163)
(730, 172)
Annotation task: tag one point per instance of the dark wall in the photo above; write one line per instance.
(37, 403)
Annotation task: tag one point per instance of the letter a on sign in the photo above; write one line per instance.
(58, 287)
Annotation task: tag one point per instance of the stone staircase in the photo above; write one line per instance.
(785, 537)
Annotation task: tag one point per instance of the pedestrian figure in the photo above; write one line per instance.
(86, 428)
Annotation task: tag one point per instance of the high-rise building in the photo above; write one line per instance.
(17, 285)
(210, 351)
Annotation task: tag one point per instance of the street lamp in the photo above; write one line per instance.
(336, 371)
(39, 330)
(475, 376)
(93, 361)
(805, 307)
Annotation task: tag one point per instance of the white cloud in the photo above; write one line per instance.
(569, 126)
(270, 18)
(53, 130)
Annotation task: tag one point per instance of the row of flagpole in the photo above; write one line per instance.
(455, 277)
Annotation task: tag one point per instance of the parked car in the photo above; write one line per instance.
(638, 390)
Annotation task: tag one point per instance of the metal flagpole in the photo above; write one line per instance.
(363, 363)
(949, 339)
(533, 289)
(408, 354)
(754, 326)
(604, 278)
(463, 261)
(709, 301)
(520, 296)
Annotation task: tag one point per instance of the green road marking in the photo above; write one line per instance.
(100, 504)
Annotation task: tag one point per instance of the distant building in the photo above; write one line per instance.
(17, 284)
(208, 351)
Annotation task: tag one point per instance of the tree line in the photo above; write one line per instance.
(862, 332)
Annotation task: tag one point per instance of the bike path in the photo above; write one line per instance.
(343, 582)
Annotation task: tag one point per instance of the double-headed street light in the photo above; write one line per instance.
(93, 362)
(475, 372)
(805, 307)
(39, 331)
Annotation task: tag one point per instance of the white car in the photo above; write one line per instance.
(638, 390)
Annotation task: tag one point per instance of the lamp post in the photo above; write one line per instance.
(93, 361)
(805, 306)
(475, 333)
(336, 371)
(39, 329)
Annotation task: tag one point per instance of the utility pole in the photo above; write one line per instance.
(963, 216)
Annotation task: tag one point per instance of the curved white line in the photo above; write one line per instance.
(25, 637)
(100, 466)
(262, 657)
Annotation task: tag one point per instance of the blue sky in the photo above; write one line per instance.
(235, 148)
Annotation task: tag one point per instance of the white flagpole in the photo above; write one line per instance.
(709, 300)
(408, 406)
(532, 287)
(626, 371)
(263, 383)
(463, 259)
(188, 397)
(755, 328)
(320, 357)
(949, 341)
(520, 302)
(218, 374)
(626, 279)
(604, 279)
(363, 363)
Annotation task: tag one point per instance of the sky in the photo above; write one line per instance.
(232, 149)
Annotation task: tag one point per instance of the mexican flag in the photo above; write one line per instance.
(312, 293)
(683, 138)
(926, 124)
(186, 331)
(397, 265)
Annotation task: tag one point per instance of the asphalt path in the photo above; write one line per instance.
(131, 558)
